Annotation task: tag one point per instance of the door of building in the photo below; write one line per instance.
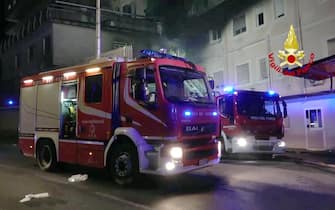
(314, 125)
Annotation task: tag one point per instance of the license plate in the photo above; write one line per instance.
(203, 162)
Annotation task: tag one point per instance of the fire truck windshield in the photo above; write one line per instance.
(185, 85)
(257, 105)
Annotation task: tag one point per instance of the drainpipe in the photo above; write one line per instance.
(268, 40)
(98, 28)
(300, 34)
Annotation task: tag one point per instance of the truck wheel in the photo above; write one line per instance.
(46, 156)
(123, 164)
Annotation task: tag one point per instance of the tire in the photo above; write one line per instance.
(46, 156)
(123, 164)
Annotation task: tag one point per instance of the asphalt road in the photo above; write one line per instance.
(232, 185)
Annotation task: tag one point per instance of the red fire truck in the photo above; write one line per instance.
(251, 121)
(153, 115)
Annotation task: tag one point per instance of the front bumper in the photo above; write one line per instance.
(258, 146)
(180, 168)
(194, 158)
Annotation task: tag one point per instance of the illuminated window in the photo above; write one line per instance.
(313, 118)
(93, 89)
(278, 8)
(239, 24)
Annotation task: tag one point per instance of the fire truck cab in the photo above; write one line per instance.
(251, 121)
(153, 115)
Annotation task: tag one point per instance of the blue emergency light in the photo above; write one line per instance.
(187, 113)
(10, 102)
(271, 92)
(228, 89)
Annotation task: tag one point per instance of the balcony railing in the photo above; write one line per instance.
(86, 16)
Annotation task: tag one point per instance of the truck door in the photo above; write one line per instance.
(94, 105)
(139, 106)
(226, 108)
(68, 119)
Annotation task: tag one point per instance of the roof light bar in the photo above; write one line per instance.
(93, 70)
(28, 81)
(47, 78)
(69, 74)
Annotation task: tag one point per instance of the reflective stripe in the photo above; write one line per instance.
(169, 138)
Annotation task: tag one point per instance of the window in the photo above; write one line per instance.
(218, 79)
(215, 35)
(143, 85)
(242, 72)
(46, 45)
(93, 89)
(313, 118)
(239, 25)
(263, 67)
(331, 46)
(180, 85)
(226, 107)
(278, 8)
(127, 9)
(17, 61)
(30, 54)
(260, 19)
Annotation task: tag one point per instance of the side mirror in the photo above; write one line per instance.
(211, 83)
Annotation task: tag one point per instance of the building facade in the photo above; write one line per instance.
(62, 33)
(236, 54)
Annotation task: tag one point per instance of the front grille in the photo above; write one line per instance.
(196, 142)
(263, 147)
(198, 129)
(200, 154)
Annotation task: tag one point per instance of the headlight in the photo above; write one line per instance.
(281, 144)
(219, 149)
(242, 142)
(170, 166)
(176, 152)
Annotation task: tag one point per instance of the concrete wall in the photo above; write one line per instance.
(296, 132)
(74, 44)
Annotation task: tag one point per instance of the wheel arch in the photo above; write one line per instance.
(52, 138)
(131, 136)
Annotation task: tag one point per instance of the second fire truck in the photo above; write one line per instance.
(252, 121)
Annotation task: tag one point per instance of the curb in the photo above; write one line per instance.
(311, 162)
(332, 166)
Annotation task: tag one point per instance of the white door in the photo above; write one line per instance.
(315, 135)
